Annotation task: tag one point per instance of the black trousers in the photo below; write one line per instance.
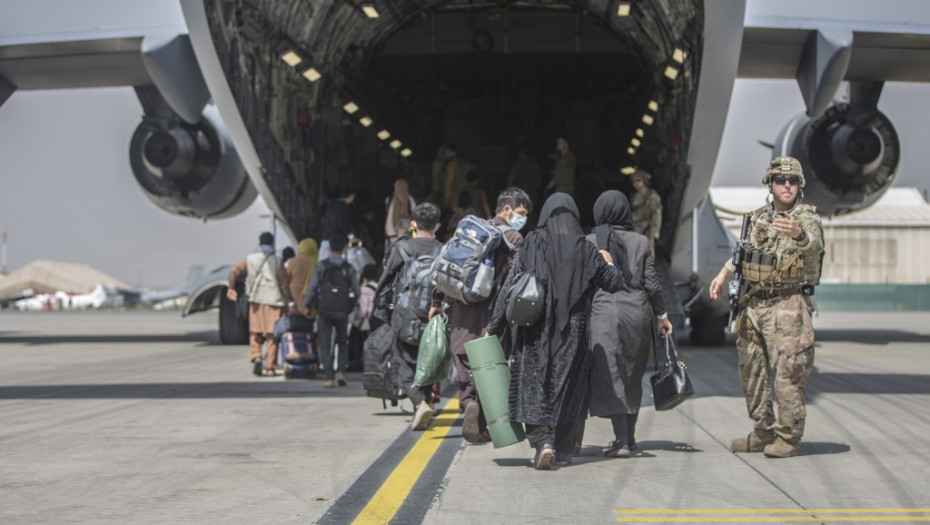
(407, 369)
(325, 326)
(562, 436)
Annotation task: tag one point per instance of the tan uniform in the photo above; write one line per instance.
(267, 299)
(647, 213)
(775, 330)
(563, 173)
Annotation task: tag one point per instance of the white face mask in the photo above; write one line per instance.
(517, 222)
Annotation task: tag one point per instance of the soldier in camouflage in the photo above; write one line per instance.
(647, 208)
(781, 267)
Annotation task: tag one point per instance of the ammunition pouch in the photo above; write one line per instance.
(761, 267)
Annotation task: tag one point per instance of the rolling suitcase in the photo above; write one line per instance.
(299, 360)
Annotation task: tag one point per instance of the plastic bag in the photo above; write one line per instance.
(434, 360)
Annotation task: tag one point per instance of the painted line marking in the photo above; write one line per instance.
(388, 499)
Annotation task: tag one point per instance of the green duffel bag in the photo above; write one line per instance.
(434, 360)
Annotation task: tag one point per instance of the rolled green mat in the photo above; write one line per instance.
(492, 378)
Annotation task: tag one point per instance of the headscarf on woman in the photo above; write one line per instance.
(400, 202)
(555, 252)
(613, 209)
(308, 247)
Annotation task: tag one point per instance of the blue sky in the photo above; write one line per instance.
(54, 207)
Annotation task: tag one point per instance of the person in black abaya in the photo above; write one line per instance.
(551, 361)
(621, 322)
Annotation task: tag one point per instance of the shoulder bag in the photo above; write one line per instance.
(525, 301)
(242, 300)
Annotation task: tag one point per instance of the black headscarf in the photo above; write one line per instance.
(558, 254)
(613, 209)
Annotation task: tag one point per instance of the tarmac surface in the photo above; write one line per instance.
(143, 417)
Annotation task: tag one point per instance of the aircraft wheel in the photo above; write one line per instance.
(233, 331)
(708, 331)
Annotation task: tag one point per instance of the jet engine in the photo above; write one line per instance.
(190, 169)
(849, 157)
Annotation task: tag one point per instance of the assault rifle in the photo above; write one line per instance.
(735, 287)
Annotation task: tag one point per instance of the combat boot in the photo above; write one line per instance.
(752, 443)
(782, 449)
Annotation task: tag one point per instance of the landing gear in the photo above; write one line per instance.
(708, 331)
(233, 331)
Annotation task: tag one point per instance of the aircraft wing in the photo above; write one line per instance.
(774, 47)
(80, 59)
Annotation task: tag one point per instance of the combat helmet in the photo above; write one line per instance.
(643, 174)
(785, 166)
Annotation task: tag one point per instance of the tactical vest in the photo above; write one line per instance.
(767, 251)
(261, 280)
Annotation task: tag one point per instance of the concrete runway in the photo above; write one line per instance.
(145, 418)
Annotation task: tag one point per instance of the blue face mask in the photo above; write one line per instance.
(517, 222)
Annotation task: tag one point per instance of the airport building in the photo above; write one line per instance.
(874, 257)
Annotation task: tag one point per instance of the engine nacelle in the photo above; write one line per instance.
(190, 169)
(848, 162)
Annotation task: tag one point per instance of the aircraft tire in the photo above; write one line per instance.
(233, 331)
(708, 331)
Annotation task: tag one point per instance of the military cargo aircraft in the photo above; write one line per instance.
(290, 99)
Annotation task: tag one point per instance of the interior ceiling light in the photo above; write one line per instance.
(395, 143)
(406, 152)
(370, 10)
(639, 132)
(678, 55)
(631, 150)
(312, 75)
(350, 107)
(365, 121)
(628, 170)
(648, 120)
(623, 9)
(671, 72)
(384, 134)
(635, 142)
(291, 58)
(653, 105)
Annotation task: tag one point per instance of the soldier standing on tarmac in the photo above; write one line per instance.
(781, 266)
(647, 208)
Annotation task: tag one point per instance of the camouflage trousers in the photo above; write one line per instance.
(776, 337)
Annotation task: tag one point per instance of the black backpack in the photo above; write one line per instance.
(380, 374)
(334, 296)
(413, 293)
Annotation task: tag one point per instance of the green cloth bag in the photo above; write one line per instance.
(434, 360)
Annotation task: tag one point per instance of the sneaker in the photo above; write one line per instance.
(470, 424)
(562, 460)
(617, 449)
(752, 443)
(257, 367)
(422, 416)
(341, 379)
(543, 457)
(329, 383)
(782, 449)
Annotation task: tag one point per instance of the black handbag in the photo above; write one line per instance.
(525, 301)
(670, 383)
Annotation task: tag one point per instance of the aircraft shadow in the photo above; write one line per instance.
(813, 448)
(221, 390)
(871, 337)
(205, 338)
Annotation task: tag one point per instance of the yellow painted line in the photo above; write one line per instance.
(384, 504)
